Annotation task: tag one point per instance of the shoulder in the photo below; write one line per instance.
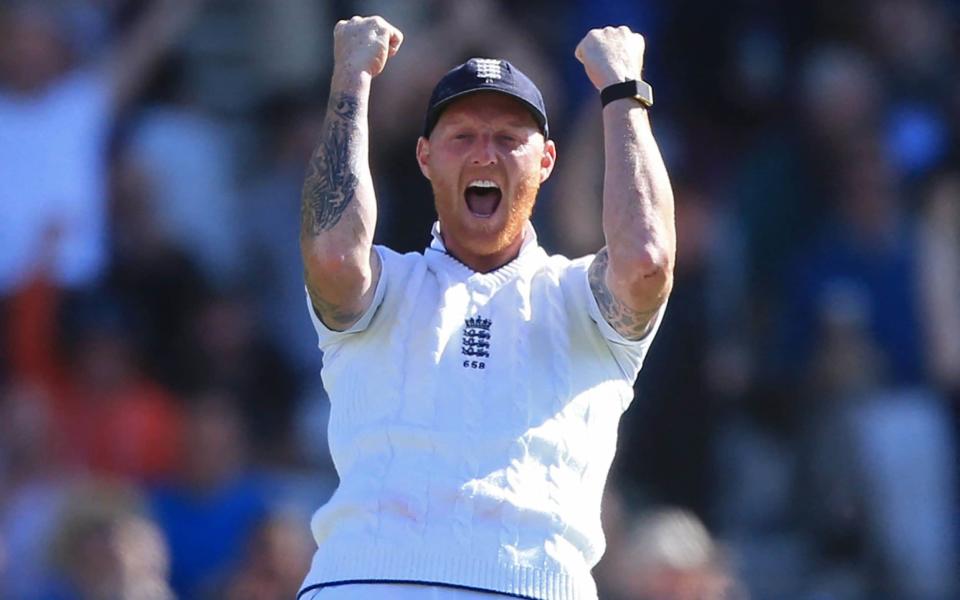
(562, 266)
(566, 280)
(397, 272)
(569, 274)
(396, 263)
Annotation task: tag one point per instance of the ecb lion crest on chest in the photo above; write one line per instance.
(476, 341)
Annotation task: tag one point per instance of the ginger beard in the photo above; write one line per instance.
(485, 161)
(485, 236)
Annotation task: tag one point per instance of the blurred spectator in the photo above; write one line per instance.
(664, 447)
(189, 158)
(278, 554)
(292, 51)
(105, 548)
(669, 555)
(271, 215)
(940, 270)
(881, 459)
(56, 116)
(34, 488)
(149, 273)
(614, 509)
(865, 247)
(913, 39)
(120, 421)
(225, 348)
(782, 183)
(856, 326)
(214, 504)
(80, 352)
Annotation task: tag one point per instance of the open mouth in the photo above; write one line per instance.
(483, 197)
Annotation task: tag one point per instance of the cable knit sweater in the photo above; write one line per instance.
(473, 422)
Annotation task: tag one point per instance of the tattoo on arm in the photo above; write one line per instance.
(334, 316)
(331, 183)
(629, 323)
(338, 316)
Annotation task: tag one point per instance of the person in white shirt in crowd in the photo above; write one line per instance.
(55, 120)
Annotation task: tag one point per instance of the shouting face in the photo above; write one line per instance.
(485, 160)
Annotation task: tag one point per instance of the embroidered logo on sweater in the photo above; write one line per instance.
(476, 341)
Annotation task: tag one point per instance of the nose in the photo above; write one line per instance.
(483, 152)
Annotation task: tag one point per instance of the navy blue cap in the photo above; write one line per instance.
(485, 75)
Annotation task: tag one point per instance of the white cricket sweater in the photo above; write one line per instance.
(473, 421)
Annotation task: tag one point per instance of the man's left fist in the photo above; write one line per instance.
(611, 55)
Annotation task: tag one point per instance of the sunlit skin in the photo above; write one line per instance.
(489, 136)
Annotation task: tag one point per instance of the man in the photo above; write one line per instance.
(476, 388)
(55, 115)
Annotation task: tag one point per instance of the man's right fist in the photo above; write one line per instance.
(363, 45)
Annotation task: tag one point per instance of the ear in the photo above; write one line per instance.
(423, 156)
(548, 159)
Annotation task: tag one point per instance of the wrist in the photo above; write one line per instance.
(636, 91)
(347, 78)
(613, 79)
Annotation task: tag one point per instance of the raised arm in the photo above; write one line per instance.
(632, 275)
(129, 62)
(338, 210)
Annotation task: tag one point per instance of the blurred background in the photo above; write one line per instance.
(162, 417)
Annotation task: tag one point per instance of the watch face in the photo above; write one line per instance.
(644, 93)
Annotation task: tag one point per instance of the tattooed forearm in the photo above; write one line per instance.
(331, 182)
(333, 315)
(628, 322)
(346, 107)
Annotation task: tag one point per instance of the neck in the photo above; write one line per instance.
(483, 263)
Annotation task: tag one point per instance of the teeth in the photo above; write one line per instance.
(484, 183)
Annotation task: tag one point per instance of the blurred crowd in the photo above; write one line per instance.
(162, 417)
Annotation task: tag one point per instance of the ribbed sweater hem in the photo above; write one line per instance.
(399, 564)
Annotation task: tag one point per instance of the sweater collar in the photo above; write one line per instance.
(439, 255)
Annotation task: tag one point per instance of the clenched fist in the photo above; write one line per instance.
(363, 45)
(611, 55)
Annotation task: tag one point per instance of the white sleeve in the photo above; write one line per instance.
(629, 354)
(328, 336)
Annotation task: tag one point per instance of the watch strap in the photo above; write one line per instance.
(639, 90)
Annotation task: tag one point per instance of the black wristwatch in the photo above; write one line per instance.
(637, 89)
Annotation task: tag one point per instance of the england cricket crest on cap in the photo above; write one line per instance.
(476, 342)
(489, 69)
